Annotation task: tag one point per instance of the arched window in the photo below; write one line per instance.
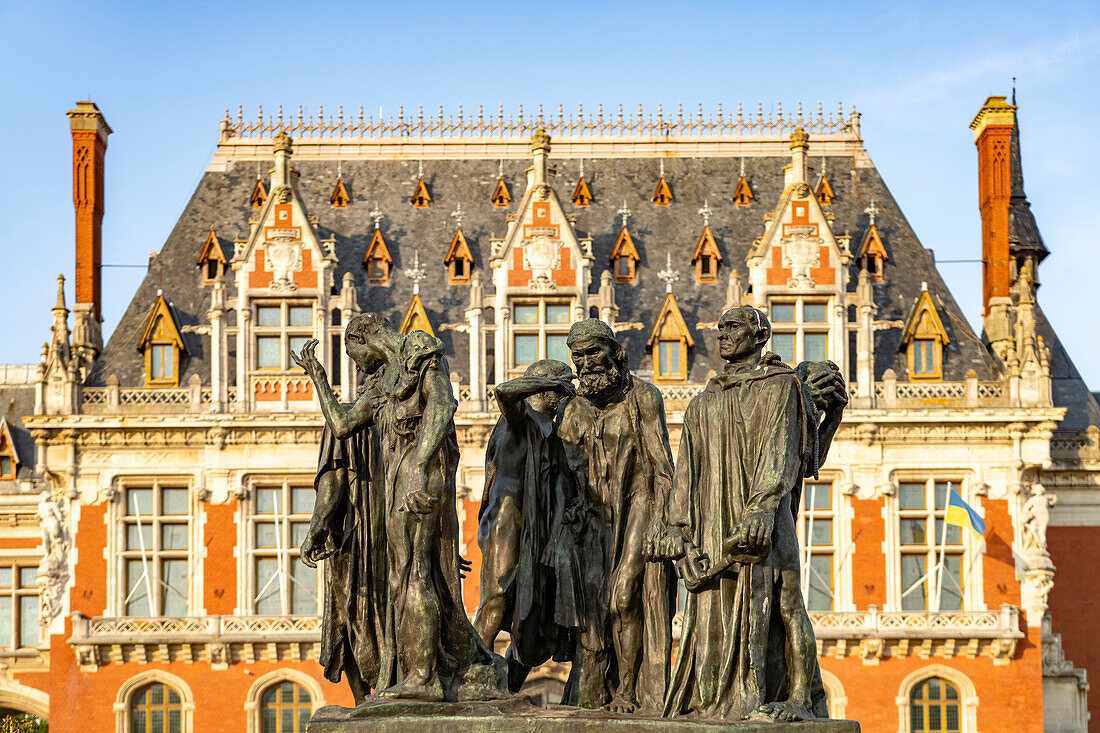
(282, 700)
(937, 699)
(934, 707)
(154, 701)
(285, 707)
(156, 708)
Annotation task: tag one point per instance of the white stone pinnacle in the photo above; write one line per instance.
(668, 275)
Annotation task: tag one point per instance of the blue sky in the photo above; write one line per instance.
(163, 74)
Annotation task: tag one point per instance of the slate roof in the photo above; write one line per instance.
(17, 400)
(222, 198)
(1023, 233)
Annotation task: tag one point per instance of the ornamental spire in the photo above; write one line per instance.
(416, 273)
(668, 275)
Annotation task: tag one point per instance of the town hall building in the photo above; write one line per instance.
(157, 481)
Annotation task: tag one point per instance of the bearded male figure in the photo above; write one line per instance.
(529, 525)
(747, 649)
(428, 650)
(617, 445)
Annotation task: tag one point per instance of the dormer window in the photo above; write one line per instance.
(924, 338)
(421, 198)
(872, 253)
(258, 197)
(742, 195)
(459, 259)
(824, 192)
(211, 259)
(669, 343)
(8, 459)
(706, 258)
(377, 260)
(162, 345)
(582, 196)
(662, 195)
(501, 198)
(339, 198)
(624, 257)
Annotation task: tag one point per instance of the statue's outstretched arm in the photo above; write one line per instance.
(342, 421)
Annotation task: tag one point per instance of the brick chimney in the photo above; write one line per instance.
(993, 128)
(89, 131)
(993, 137)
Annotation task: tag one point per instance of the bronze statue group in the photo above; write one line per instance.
(586, 526)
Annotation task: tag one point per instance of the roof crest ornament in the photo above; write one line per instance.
(625, 212)
(705, 212)
(416, 273)
(500, 169)
(499, 125)
(668, 275)
(376, 215)
(458, 214)
(871, 211)
(742, 166)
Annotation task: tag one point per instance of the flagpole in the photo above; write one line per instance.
(943, 543)
(809, 546)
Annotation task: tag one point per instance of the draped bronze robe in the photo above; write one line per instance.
(744, 448)
(545, 597)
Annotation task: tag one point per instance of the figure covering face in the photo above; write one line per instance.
(617, 445)
(747, 649)
(424, 646)
(529, 526)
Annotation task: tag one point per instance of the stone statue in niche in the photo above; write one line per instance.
(529, 526)
(386, 510)
(1036, 518)
(617, 446)
(747, 650)
(53, 570)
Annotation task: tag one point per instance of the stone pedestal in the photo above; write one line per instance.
(519, 714)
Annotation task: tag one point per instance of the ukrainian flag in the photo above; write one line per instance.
(962, 514)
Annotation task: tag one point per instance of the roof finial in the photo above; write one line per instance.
(376, 215)
(416, 273)
(625, 212)
(1014, 90)
(458, 214)
(668, 275)
(662, 167)
(60, 293)
(705, 212)
(500, 169)
(871, 211)
(419, 169)
(582, 167)
(742, 166)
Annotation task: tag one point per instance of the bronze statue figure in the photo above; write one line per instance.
(617, 445)
(348, 530)
(426, 648)
(529, 526)
(747, 649)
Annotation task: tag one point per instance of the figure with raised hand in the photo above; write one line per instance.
(429, 650)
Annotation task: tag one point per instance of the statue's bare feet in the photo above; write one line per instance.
(430, 691)
(621, 704)
(787, 711)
